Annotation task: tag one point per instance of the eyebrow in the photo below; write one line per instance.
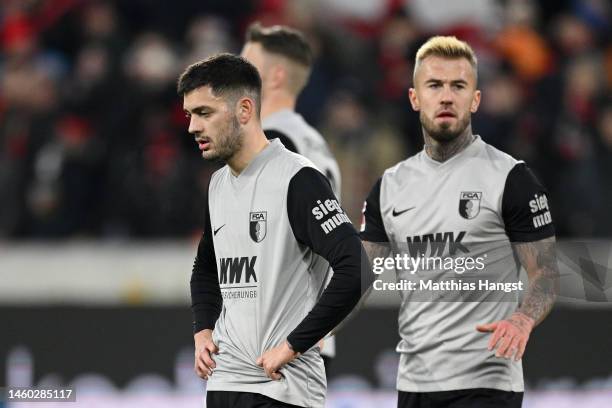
(453, 82)
(199, 109)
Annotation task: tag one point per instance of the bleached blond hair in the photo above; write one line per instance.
(446, 47)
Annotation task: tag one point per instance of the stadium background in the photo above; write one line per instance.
(101, 187)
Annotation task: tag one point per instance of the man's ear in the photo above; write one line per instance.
(414, 100)
(475, 101)
(278, 76)
(245, 109)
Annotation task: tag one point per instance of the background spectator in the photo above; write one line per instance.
(92, 135)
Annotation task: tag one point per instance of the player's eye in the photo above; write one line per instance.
(434, 86)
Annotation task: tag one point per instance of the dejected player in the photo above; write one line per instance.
(461, 195)
(258, 298)
(284, 60)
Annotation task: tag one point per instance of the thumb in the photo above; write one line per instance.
(486, 328)
(259, 361)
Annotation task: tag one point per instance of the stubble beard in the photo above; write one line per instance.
(228, 143)
(443, 142)
(444, 133)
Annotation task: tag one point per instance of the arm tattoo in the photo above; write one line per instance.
(521, 321)
(376, 250)
(539, 260)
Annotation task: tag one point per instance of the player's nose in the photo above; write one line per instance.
(195, 126)
(446, 96)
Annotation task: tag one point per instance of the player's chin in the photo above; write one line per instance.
(444, 135)
(210, 154)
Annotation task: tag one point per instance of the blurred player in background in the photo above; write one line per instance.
(258, 298)
(284, 59)
(454, 195)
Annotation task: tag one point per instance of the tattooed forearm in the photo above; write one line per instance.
(539, 260)
(376, 250)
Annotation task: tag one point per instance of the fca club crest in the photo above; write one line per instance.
(469, 204)
(258, 225)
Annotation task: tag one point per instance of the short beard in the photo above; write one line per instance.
(444, 134)
(229, 143)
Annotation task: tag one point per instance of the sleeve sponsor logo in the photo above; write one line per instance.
(329, 214)
(540, 204)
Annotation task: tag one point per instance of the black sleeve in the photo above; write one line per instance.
(372, 227)
(318, 221)
(275, 134)
(525, 207)
(206, 300)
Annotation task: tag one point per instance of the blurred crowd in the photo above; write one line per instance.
(93, 139)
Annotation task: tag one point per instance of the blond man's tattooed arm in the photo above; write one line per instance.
(540, 262)
(510, 336)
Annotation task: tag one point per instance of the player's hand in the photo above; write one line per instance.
(509, 336)
(204, 349)
(274, 359)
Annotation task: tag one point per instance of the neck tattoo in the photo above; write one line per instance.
(441, 152)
